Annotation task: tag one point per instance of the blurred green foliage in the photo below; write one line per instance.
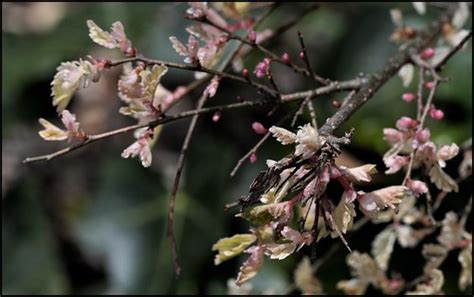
(110, 235)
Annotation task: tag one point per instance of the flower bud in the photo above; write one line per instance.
(408, 97)
(216, 117)
(417, 186)
(302, 56)
(336, 103)
(429, 85)
(427, 53)
(259, 128)
(285, 57)
(253, 158)
(436, 114)
(405, 123)
(423, 135)
(245, 72)
(252, 36)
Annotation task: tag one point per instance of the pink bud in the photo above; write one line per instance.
(130, 52)
(392, 136)
(429, 85)
(336, 103)
(302, 56)
(408, 97)
(223, 39)
(252, 36)
(259, 128)
(245, 72)
(427, 53)
(216, 117)
(253, 158)
(405, 123)
(262, 68)
(436, 114)
(286, 58)
(423, 135)
(417, 186)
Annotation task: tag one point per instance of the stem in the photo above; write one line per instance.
(198, 68)
(179, 170)
(379, 78)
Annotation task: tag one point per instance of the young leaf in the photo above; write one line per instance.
(230, 247)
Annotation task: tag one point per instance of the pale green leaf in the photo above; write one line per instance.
(230, 247)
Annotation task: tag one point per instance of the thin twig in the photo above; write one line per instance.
(198, 68)
(420, 127)
(174, 191)
(251, 151)
(299, 111)
(280, 30)
(441, 63)
(379, 78)
(308, 64)
(419, 94)
(342, 86)
(336, 246)
(254, 148)
(312, 113)
(263, 49)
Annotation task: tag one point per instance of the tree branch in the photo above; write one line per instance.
(379, 78)
(340, 86)
(174, 191)
(198, 68)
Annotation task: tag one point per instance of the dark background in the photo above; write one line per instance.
(93, 222)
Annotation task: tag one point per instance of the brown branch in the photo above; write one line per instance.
(342, 86)
(299, 111)
(263, 49)
(421, 123)
(308, 64)
(88, 140)
(198, 68)
(379, 78)
(280, 30)
(454, 50)
(179, 170)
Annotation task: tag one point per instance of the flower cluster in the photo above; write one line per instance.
(408, 138)
(305, 186)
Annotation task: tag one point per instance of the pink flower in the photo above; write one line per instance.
(427, 53)
(211, 89)
(417, 186)
(253, 158)
(406, 123)
(259, 128)
(423, 135)
(436, 114)
(429, 85)
(408, 97)
(69, 121)
(252, 265)
(172, 97)
(252, 36)
(392, 136)
(379, 199)
(395, 163)
(262, 68)
(216, 117)
(139, 148)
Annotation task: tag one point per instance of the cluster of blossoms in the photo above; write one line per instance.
(412, 148)
(274, 232)
(408, 138)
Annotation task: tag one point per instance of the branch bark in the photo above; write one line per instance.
(380, 77)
